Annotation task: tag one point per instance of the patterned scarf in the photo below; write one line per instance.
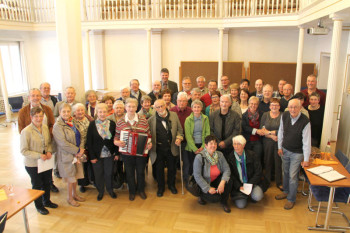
(213, 159)
(103, 129)
(241, 167)
(253, 117)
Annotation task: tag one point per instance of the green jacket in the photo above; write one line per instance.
(189, 127)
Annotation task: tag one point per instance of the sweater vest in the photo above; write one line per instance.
(293, 134)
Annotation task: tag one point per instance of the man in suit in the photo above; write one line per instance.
(167, 135)
(155, 93)
(46, 98)
(166, 83)
(136, 92)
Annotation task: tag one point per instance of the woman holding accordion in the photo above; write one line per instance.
(132, 122)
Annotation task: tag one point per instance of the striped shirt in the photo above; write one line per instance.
(140, 126)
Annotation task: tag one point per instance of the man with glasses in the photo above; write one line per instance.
(225, 85)
(201, 85)
(212, 86)
(186, 87)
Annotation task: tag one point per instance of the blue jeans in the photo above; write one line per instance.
(291, 166)
(256, 195)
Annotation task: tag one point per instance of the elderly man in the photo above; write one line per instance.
(155, 93)
(167, 135)
(212, 86)
(264, 105)
(244, 84)
(181, 109)
(225, 124)
(287, 95)
(311, 83)
(125, 93)
(294, 146)
(136, 92)
(186, 87)
(24, 117)
(201, 85)
(70, 99)
(46, 98)
(225, 85)
(258, 89)
(166, 83)
(279, 93)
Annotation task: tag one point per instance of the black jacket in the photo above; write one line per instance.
(254, 170)
(246, 128)
(94, 141)
(54, 100)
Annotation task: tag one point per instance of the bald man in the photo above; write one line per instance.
(258, 89)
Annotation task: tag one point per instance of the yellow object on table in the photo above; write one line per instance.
(324, 162)
(3, 195)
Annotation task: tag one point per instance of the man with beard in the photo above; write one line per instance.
(155, 93)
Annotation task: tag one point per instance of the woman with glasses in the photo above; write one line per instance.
(215, 105)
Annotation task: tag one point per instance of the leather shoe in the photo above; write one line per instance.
(226, 208)
(53, 188)
(143, 195)
(43, 211)
(201, 201)
(99, 197)
(173, 189)
(113, 195)
(131, 197)
(160, 193)
(82, 189)
(281, 196)
(51, 205)
(289, 205)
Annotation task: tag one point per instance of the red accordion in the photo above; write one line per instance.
(135, 143)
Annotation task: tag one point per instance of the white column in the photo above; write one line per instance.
(68, 29)
(149, 56)
(4, 92)
(88, 59)
(220, 58)
(98, 60)
(156, 53)
(331, 85)
(225, 45)
(299, 60)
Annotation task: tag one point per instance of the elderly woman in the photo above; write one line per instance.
(243, 100)
(316, 112)
(36, 145)
(91, 101)
(82, 124)
(166, 96)
(215, 105)
(119, 111)
(109, 100)
(70, 151)
(99, 143)
(251, 126)
(146, 110)
(234, 92)
(133, 122)
(212, 174)
(245, 169)
(270, 123)
(196, 129)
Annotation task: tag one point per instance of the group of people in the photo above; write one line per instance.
(228, 137)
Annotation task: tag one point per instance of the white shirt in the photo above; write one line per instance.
(132, 121)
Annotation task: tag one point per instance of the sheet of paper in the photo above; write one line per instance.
(320, 169)
(3, 195)
(46, 165)
(247, 188)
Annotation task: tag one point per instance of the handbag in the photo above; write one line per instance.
(192, 185)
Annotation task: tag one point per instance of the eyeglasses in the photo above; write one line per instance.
(159, 106)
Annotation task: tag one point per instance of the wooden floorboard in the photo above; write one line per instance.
(170, 213)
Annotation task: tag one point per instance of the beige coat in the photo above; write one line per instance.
(64, 137)
(34, 143)
(176, 132)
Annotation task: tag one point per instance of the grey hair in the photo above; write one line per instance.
(101, 105)
(267, 85)
(182, 94)
(76, 106)
(70, 87)
(65, 105)
(131, 100)
(128, 88)
(34, 89)
(43, 84)
(197, 102)
(196, 89)
(87, 93)
(134, 80)
(239, 139)
(199, 78)
(118, 102)
(226, 96)
(254, 98)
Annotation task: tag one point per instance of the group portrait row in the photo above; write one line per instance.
(228, 139)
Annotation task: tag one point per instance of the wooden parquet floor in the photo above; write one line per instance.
(170, 213)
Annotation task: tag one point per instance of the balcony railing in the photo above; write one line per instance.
(43, 11)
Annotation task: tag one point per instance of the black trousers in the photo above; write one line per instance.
(188, 158)
(164, 155)
(89, 176)
(103, 170)
(132, 164)
(222, 198)
(272, 159)
(40, 181)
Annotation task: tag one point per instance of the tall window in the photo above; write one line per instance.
(12, 62)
